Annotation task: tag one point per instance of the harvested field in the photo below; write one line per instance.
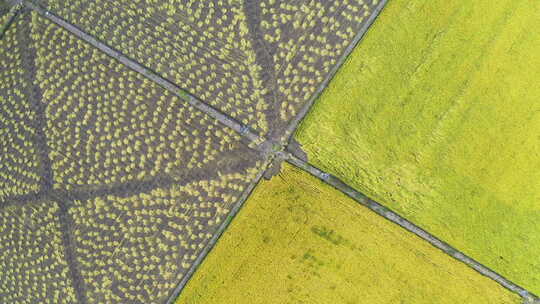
(297, 240)
(108, 125)
(136, 248)
(141, 179)
(258, 62)
(21, 167)
(32, 255)
(436, 116)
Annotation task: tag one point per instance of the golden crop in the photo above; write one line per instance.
(298, 240)
(436, 115)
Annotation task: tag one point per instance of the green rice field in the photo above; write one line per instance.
(436, 115)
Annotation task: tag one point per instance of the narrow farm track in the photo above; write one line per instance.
(268, 148)
(409, 226)
(262, 51)
(35, 96)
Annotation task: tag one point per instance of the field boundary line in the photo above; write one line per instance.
(65, 227)
(65, 221)
(218, 233)
(397, 219)
(35, 95)
(23, 199)
(240, 128)
(123, 189)
(295, 122)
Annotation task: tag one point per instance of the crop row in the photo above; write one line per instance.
(20, 170)
(214, 49)
(108, 125)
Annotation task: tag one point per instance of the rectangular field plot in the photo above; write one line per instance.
(257, 61)
(298, 240)
(436, 115)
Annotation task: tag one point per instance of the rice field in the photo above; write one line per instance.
(436, 115)
(32, 255)
(297, 240)
(128, 144)
(118, 125)
(137, 180)
(258, 62)
(20, 164)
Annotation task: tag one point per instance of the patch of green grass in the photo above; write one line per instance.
(436, 114)
(298, 240)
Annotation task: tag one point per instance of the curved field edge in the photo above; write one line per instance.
(435, 115)
(298, 240)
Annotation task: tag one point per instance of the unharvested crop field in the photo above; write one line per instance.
(297, 240)
(436, 115)
(257, 61)
(128, 181)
